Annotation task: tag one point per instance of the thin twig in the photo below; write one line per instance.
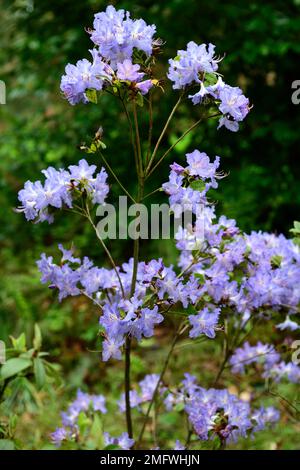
(88, 215)
(166, 363)
(149, 170)
(162, 134)
(116, 177)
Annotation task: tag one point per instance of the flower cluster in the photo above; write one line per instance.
(258, 354)
(197, 65)
(204, 322)
(265, 355)
(211, 412)
(248, 273)
(83, 403)
(215, 412)
(116, 37)
(60, 188)
(187, 186)
(120, 55)
(147, 388)
(191, 64)
(123, 442)
(121, 315)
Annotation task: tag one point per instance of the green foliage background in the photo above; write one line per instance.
(261, 44)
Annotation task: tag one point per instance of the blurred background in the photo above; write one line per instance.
(261, 45)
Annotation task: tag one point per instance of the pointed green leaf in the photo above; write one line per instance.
(14, 366)
(92, 96)
(19, 343)
(139, 100)
(39, 372)
(37, 340)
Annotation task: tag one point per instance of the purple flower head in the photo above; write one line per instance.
(82, 171)
(199, 165)
(232, 126)
(116, 35)
(68, 255)
(29, 197)
(179, 169)
(135, 400)
(198, 97)
(100, 188)
(82, 76)
(204, 323)
(150, 318)
(111, 348)
(258, 354)
(179, 445)
(144, 86)
(234, 106)
(148, 386)
(123, 441)
(57, 191)
(59, 435)
(189, 64)
(174, 185)
(129, 71)
(82, 401)
(264, 417)
(98, 403)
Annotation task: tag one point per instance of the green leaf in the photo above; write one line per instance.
(6, 444)
(197, 185)
(95, 440)
(296, 228)
(102, 145)
(276, 261)
(210, 79)
(19, 343)
(14, 366)
(37, 340)
(83, 422)
(179, 407)
(92, 96)
(39, 372)
(191, 310)
(139, 100)
(200, 277)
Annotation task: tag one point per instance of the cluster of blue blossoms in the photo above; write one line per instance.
(212, 413)
(88, 405)
(116, 37)
(197, 66)
(61, 187)
(120, 60)
(84, 403)
(265, 356)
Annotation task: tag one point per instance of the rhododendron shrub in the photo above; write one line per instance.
(225, 281)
